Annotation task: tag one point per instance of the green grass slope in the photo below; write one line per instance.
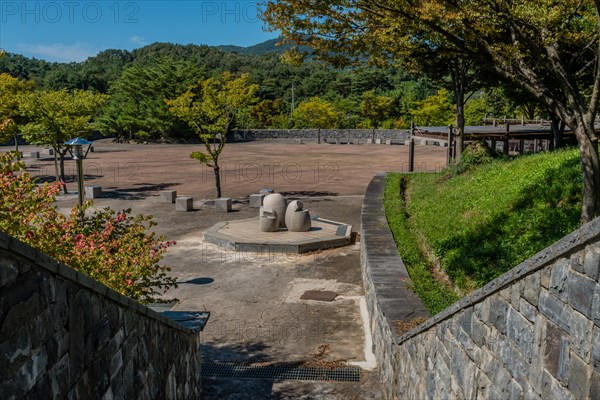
(481, 223)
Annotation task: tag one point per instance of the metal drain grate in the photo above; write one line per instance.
(279, 372)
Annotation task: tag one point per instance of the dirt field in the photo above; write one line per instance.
(303, 169)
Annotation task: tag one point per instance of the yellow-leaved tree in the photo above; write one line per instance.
(211, 108)
(549, 49)
(56, 116)
(11, 118)
(315, 113)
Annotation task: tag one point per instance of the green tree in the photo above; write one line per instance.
(347, 111)
(137, 108)
(476, 110)
(57, 116)
(435, 110)
(315, 113)
(266, 113)
(547, 48)
(116, 248)
(10, 117)
(350, 32)
(375, 109)
(211, 108)
(100, 71)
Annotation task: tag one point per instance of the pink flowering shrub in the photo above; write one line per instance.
(116, 248)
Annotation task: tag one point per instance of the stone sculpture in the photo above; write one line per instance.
(297, 219)
(276, 213)
(268, 220)
(292, 207)
(277, 203)
(300, 221)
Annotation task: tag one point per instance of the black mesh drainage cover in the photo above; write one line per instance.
(319, 295)
(279, 372)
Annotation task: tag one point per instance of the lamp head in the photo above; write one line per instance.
(75, 147)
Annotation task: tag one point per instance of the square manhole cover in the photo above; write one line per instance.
(319, 295)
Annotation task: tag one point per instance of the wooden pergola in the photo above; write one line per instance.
(515, 138)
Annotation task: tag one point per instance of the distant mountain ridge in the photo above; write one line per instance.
(268, 46)
(99, 71)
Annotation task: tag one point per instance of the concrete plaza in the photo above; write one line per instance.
(258, 316)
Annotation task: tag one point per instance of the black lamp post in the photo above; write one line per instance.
(75, 148)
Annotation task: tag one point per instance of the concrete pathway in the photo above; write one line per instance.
(258, 316)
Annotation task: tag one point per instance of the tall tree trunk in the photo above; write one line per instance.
(217, 171)
(62, 170)
(458, 72)
(558, 128)
(590, 164)
(460, 127)
(56, 170)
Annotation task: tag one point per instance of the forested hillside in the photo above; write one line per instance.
(139, 81)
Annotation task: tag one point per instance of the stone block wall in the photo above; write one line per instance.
(66, 336)
(325, 134)
(532, 333)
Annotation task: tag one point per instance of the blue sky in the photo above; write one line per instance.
(74, 30)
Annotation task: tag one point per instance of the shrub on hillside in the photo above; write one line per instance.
(116, 248)
(474, 154)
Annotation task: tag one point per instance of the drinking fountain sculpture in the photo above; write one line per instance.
(268, 220)
(304, 233)
(278, 204)
(276, 213)
(297, 219)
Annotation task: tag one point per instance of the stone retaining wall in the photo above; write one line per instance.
(385, 279)
(325, 134)
(64, 335)
(533, 332)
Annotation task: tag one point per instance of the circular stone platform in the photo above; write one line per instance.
(245, 235)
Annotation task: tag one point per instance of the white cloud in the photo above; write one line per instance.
(138, 41)
(59, 51)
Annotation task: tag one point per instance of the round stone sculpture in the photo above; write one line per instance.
(294, 206)
(277, 203)
(299, 221)
(268, 220)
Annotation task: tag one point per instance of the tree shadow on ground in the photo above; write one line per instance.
(274, 384)
(68, 178)
(142, 191)
(308, 193)
(245, 353)
(197, 281)
(109, 151)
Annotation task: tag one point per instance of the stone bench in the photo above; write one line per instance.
(256, 200)
(395, 141)
(223, 204)
(168, 196)
(93, 192)
(184, 203)
(346, 141)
